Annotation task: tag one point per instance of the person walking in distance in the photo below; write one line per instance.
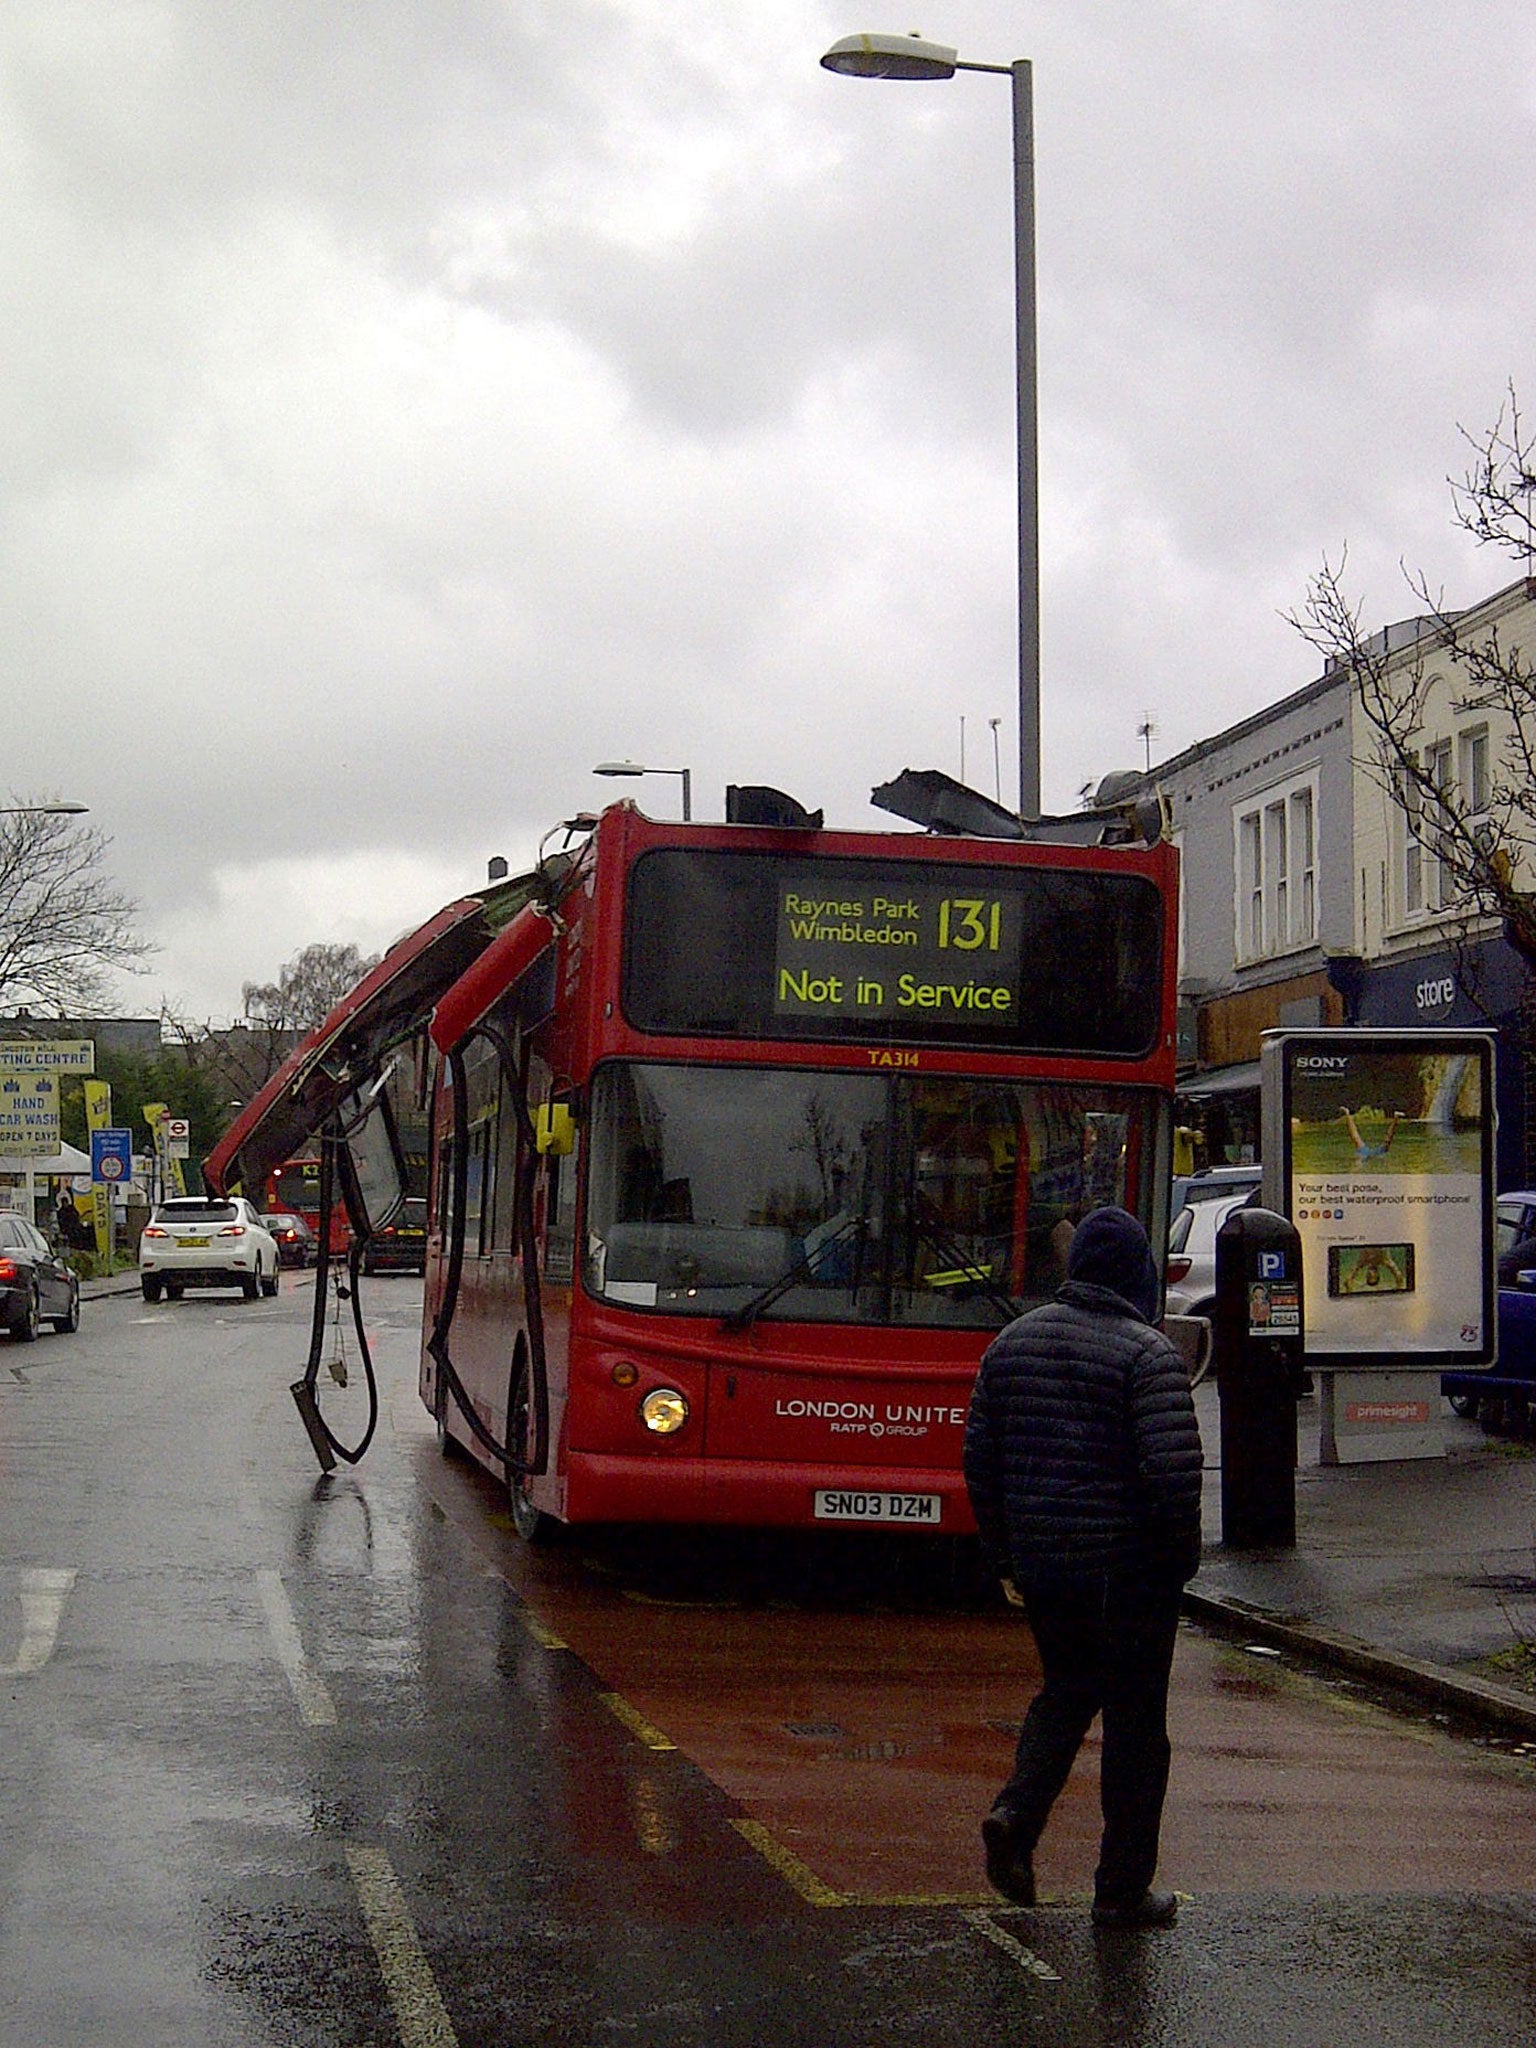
(1082, 1460)
(74, 1232)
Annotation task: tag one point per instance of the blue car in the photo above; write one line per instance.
(1505, 1393)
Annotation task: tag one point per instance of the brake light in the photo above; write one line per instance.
(9, 1270)
(155, 1230)
(232, 1230)
(1178, 1269)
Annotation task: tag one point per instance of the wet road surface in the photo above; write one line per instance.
(292, 1760)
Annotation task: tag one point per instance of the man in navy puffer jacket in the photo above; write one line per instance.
(1082, 1458)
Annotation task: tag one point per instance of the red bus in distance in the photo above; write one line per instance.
(746, 1140)
(294, 1189)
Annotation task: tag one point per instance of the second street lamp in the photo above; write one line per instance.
(635, 768)
(887, 56)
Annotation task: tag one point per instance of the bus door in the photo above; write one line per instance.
(470, 1212)
(503, 1206)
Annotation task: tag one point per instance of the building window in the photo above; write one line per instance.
(1276, 851)
(1426, 879)
(1476, 784)
(1410, 804)
(1250, 941)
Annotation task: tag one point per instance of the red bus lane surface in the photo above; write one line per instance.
(863, 1747)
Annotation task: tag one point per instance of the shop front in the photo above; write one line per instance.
(1471, 986)
(1218, 1103)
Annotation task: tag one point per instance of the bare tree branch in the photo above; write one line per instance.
(1395, 673)
(307, 989)
(1493, 501)
(64, 929)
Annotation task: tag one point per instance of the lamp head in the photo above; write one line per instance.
(870, 56)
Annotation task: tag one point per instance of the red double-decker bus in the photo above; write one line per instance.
(293, 1188)
(744, 1141)
(747, 1140)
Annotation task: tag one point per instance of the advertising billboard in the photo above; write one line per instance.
(1379, 1147)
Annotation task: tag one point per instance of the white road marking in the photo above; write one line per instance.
(316, 1708)
(418, 2006)
(979, 1918)
(43, 1593)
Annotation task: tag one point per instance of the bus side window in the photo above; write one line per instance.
(445, 1189)
(501, 1215)
(560, 1235)
(477, 1185)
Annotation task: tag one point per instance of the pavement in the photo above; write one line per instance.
(1418, 1575)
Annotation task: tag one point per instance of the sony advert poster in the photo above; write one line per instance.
(1387, 1145)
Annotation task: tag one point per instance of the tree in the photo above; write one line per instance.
(307, 989)
(63, 927)
(1483, 838)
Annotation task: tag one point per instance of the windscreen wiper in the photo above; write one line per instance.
(965, 1271)
(744, 1317)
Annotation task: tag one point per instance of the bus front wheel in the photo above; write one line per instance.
(531, 1523)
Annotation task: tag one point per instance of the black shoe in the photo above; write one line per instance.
(1152, 1909)
(1008, 1870)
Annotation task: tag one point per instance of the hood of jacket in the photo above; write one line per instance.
(1110, 1249)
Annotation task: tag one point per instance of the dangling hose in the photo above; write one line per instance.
(328, 1446)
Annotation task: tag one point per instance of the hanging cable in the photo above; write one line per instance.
(328, 1446)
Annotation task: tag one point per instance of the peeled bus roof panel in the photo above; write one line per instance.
(388, 1004)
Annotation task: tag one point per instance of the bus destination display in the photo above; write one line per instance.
(913, 949)
(918, 951)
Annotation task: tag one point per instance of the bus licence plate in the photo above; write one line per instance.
(843, 1504)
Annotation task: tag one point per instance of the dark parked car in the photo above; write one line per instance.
(295, 1239)
(36, 1286)
(401, 1246)
(1509, 1396)
(1514, 1234)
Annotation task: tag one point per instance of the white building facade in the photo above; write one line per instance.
(1314, 887)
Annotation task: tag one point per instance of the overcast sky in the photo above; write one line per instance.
(410, 404)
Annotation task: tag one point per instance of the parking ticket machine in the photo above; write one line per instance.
(1259, 1374)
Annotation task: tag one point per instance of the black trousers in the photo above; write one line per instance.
(1106, 1644)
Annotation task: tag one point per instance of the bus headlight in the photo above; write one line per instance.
(664, 1411)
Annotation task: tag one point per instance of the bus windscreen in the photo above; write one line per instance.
(1039, 959)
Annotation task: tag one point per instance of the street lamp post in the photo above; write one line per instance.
(885, 56)
(635, 768)
(43, 810)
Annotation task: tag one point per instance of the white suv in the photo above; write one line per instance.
(199, 1241)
